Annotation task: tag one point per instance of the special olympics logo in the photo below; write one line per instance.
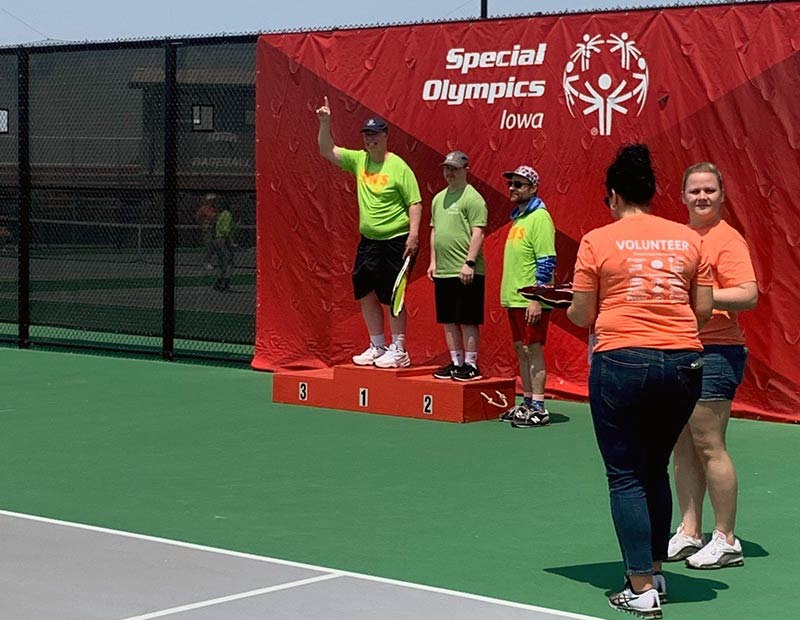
(605, 90)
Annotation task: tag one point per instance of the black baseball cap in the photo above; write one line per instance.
(375, 124)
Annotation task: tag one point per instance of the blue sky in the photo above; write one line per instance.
(95, 20)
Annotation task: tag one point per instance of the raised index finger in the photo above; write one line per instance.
(326, 101)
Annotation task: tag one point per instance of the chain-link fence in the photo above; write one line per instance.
(127, 196)
(9, 199)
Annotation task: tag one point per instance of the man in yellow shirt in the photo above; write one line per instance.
(224, 228)
(390, 210)
(529, 259)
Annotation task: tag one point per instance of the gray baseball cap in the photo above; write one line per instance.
(456, 159)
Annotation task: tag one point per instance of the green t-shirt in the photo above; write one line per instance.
(453, 216)
(531, 236)
(385, 191)
(224, 225)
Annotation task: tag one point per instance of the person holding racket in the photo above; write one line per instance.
(701, 457)
(458, 221)
(529, 259)
(645, 284)
(390, 210)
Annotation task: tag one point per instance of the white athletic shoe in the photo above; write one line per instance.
(368, 357)
(682, 546)
(393, 358)
(644, 605)
(717, 553)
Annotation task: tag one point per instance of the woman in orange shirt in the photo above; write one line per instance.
(643, 283)
(701, 458)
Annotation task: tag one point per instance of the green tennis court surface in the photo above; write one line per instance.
(199, 454)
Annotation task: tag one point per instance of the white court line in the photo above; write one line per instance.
(233, 597)
(338, 573)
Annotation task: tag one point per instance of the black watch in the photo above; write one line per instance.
(470, 263)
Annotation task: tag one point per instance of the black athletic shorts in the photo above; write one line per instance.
(377, 264)
(457, 303)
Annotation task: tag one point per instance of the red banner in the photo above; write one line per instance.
(562, 93)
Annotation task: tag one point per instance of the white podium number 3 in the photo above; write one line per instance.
(363, 397)
(303, 391)
(427, 404)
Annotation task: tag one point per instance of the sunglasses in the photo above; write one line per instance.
(516, 184)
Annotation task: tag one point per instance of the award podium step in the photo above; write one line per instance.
(408, 392)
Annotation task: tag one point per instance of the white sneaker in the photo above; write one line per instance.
(682, 546)
(717, 553)
(644, 605)
(368, 357)
(393, 358)
(660, 585)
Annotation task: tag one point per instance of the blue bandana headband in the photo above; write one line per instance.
(533, 204)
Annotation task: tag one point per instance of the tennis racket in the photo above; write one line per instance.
(555, 295)
(399, 288)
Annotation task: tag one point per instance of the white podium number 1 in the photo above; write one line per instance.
(302, 390)
(427, 404)
(363, 397)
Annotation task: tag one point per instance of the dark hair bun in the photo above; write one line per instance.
(636, 154)
(631, 174)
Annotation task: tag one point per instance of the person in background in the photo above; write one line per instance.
(645, 285)
(224, 230)
(701, 459)
(390, 211)
(206, 217)
(458, 221)
(529, 259)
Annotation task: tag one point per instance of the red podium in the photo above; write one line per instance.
(409, 392)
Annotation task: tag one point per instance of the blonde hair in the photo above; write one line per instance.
(703, 166)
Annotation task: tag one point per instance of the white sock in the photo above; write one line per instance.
(379, 341)
(457, 357)
(472, 358)
(399, 341)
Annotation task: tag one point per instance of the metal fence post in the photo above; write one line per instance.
(170, 196)
(24, 167)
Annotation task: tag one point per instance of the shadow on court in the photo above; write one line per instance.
(752, 549)
(608, 576)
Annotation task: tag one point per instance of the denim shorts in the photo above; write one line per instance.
(723, 371)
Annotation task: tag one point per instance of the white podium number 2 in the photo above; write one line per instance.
(363, 397)
(302, 391)
(427, 404)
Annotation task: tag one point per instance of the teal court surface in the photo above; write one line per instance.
(134, 489)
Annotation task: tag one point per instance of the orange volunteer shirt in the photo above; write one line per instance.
(729, 258)
(643, 267)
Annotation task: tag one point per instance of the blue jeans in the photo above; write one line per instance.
(640, 400)
(723, 371)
